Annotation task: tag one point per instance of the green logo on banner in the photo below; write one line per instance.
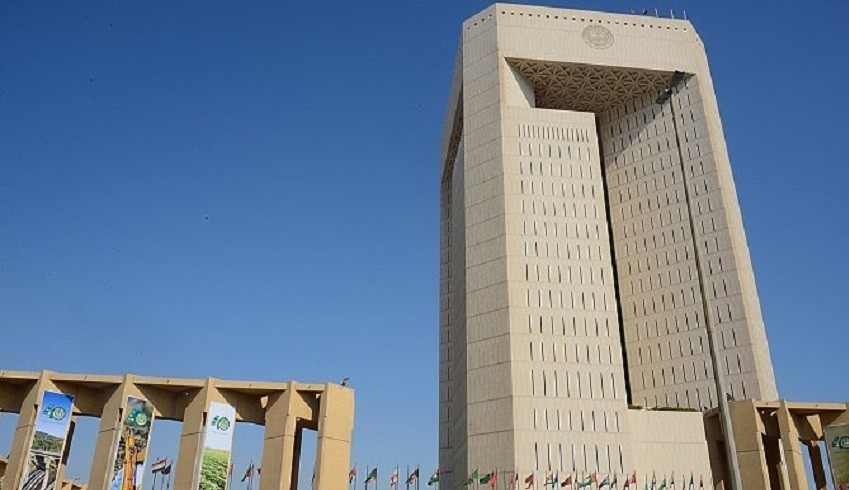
(840, 442)
(221, 423)
(55, 413)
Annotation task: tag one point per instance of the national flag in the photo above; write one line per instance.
(493, 479)
(692, 483)
(166, 470)
(372, 476)
(586, 482)
(551, 480)
(672, 480)
(632, 480)
(248, 473)
(594, 476)
(434, 478)
(413, 477)
(514, 478)
(259, 471)
(701, 482)
(485, 479)
(529, 480)
(158, 465)
(567, 481)
(393, 478)
(352, 475)
(662, 484)
(473, 478)
(605, 482)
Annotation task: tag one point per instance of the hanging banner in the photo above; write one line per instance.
(217, 445)
(48, 441)
(837, 445)
(132, 446)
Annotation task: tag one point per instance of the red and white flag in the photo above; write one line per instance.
(158, 465)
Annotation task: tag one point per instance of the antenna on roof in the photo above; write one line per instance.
(656, 14)
(685, 14)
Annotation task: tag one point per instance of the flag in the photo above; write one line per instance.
(551, 480)
(473, 478)
(249, 472)
(372, 476)
(158, 465)
(701, 482)
(514, 478)
(586, 482)
(352, 475)
(493, 479)
(567, 481)
(434, 478)
(692, 483)
(605, 482)
(529, 480)
(485, 478)
(414, 476)
(632, 480)
(259, 471)
(393, 479)
(662, 484)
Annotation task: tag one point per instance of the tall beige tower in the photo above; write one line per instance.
(592, 246)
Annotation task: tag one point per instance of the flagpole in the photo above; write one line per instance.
(368, 472)
(169, 476)
(153, 484)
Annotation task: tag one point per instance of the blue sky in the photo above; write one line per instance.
(250, 191)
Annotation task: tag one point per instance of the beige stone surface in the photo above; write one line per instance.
(591, 245)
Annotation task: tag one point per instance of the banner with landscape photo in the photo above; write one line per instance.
(48, 441)
(218, 443)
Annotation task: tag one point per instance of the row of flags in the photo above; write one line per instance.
(573, 481)
(412, 478)
(552, 479)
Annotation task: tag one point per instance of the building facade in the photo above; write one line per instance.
(592, 249)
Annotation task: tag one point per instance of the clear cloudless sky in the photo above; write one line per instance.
(249, 190)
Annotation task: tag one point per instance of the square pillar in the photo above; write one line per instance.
(793, 460)
(817, 468)
(747, 433)
(335, 425)
(191, 437)
(111, 419)
(282, 414)
(19, 451)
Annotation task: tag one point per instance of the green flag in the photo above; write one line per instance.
(662, 485)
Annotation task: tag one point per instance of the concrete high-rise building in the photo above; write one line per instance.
(593, 255)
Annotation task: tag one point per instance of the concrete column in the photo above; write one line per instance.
(793, 460)
(335, 425)
(750, 452)
(817, 467)
(103, 463)
(63, 463)
(191, 438)
(23, 434)
(279, 449)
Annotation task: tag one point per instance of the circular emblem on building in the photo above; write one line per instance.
(597, 37)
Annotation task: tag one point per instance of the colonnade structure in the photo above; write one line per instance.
(770, 438)
(284, 409)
